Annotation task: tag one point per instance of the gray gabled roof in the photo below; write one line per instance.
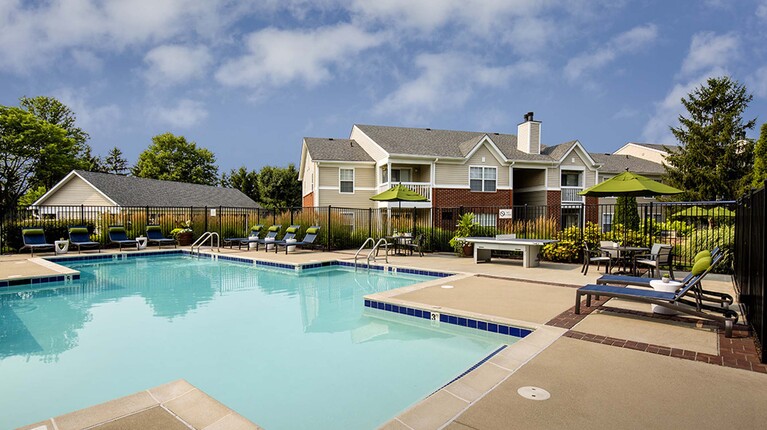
(655, 146)
(133, 191)
(431, 142)
(617, 163)
(331, 149)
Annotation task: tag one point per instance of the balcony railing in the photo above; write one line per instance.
(422, 188)
(570, 194)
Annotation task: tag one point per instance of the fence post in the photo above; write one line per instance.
(370, 222)
(82, 214)
(220, 220)
(329, 229)
(415, 212)
(274, 216)
(291, 215)
(524, 223)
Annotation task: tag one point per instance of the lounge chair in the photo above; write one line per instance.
(687, 299)
(290, 234)
(712, 296)
(154, 235)
(118, 235)
(34, 238)
(80, 237)
(309, 240)
(255, 231)
(271, 236)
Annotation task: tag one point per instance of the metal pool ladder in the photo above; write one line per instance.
(373, 250)
(201, 241)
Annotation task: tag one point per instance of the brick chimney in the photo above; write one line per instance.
(529, 135)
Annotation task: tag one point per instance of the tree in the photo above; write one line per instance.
(714, 159)
(58, 162)
(115, 162)
(760, 159)
(279, 187)
(172, 158)
(28, 146)
(243, 180)
(626, 212)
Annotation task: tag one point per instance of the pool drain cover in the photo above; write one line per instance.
(533, 393)
(447, 287)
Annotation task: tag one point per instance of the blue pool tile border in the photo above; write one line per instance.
(491, 327)
(39, 280)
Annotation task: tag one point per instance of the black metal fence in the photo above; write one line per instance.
(750, 263)
(689, 227)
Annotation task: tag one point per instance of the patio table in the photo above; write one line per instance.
(626, 254)
(398, 242)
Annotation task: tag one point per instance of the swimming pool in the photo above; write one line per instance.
(284, 348)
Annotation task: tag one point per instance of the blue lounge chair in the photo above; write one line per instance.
(290, 234)
(34, 238)
(271, 233)
(80, 237)
(154, 235)
(687, 299)
(309, 239)
(255, 232)
(723, 299)
(118, 235)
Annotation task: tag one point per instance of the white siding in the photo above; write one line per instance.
(368, 144)
(307, 184)
(77, 192)
(642, 152)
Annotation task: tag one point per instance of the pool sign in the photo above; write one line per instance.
(504, 213)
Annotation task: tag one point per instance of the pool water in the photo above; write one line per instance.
(286, 349)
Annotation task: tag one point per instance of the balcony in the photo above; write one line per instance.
(570, 195)
(422, 188)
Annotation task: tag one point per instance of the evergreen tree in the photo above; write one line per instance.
(626, 212)
(115, 162)
(172, 158)
(243, 180)
(714, 159)
(760, 159)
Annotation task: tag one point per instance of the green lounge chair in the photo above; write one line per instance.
(34, 238)
(154, 235)
(80, 237)
(118, 235)
(290, 234)
(255, 232)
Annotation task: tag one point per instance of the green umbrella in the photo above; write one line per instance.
(398, 193)
(629, 184)
(692, 212)
(720, 212)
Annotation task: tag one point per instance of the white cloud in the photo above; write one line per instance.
(447, 81)
(90, 117)
(279, 57)
(34, 34)
(624, 43)
(757, 82)
(176, 64)
(87, 60)
(761, 10)
(708, 50)
(186, 113)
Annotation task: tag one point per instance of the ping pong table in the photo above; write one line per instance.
(484, 246)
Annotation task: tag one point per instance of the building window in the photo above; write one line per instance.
(571, 179)
(346, 179)
(486, 220)
(483, 178)
(607, 222)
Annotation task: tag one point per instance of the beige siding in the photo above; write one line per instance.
(328, 176)
(77, 192)
(554, 178)
(367, 144)
(359, 199)
(642, 152)
(363, 176)
(458, 174)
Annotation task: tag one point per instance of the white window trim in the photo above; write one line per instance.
(483, 178)
(354, 176)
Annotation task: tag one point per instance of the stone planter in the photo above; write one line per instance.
(185, 238)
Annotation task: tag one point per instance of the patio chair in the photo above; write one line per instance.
(255, 231)
(310, 239)
(34, 238)
(154, 235)
(415, 245)
(687, 299)
(595, 256)
(271, 236)
(723, 299)
(118, 235)
(660, 255)
(80, 237)
(612, 253)
(290, 234)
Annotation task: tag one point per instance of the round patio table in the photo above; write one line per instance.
(626, 255)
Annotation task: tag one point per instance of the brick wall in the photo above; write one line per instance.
(592, 209)
(455, 197)
(308, 200)
(554, 208)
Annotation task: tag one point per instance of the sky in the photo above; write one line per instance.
(249, 79)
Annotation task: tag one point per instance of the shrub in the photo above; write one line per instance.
(722, 236)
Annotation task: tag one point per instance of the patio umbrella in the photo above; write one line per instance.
(629, 184)
(398, 193)
(692, 212)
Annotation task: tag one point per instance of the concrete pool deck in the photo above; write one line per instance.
(617, 365)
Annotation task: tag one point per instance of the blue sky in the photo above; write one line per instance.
(249, 79)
